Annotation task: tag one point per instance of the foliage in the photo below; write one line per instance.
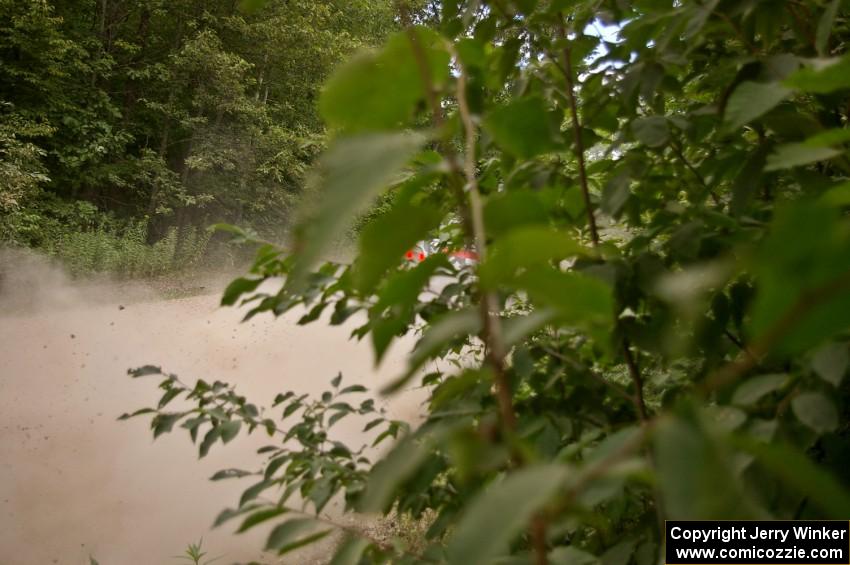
(194, 554)
(305, 460)
(657, 326)
(87, 241)
(128, 255)
(21, 166)
(179, 114)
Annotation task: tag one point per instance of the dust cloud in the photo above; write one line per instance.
(76, 483)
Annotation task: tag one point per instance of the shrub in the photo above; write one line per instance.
(657, 327)
(88, 241)
(128, 255)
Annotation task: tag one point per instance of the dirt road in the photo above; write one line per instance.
(76, 483)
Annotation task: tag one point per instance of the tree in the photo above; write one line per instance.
(657, 324)
(172, 113)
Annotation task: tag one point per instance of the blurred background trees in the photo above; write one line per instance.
(172, 114)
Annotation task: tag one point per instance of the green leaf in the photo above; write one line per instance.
(237, 288)
(580, 300)
(293, 534)
(613, 444)
(169, 395)
(139, 412)
(749, 180)
(497, 515)
(384, 241)
(697, 16)
(526, 128)
(751, 100)
(652, 131)
(824, 28)
(822, 76)
(525, 247)
(796, 154)
(571, 555)
(620, 554)
(350, 551)
(230, 474)
(448, 327)
(260, 517)
(291, 408)
(209, 439)
(383, 331)
(616, 193)
(505, 211)
(830, 362)
(695, 476)
(457, 386)
(829, 137)
(321, 492)
(399, 465)
(144, 371)
(355, 97)
(646, 553)
(517, 328)
(726, 418)
(755, 388)
(816, 411)
(800, 268)
(230, 513)
(354, 171)
(163, 423)
(802, 475)
(837, 195)
(402, 288)
(471, 52)
(229, 430)
(254, 491)
(274, 464)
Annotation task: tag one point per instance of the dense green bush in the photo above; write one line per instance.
(658, 323)
(128, 254)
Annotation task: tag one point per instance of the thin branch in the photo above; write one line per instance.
(637, 379)
(567, 71)
(579, 143)
(759, 348)
(538, 539)
(738, 343)
(603, 465)
(631, 363)
(473, 219)
(496, 350)
(438, 120)
(678, 151)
